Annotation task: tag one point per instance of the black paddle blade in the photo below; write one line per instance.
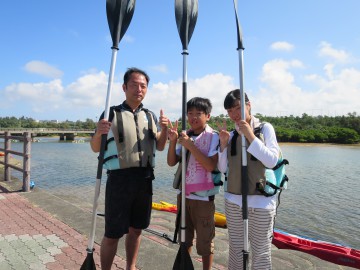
(238, 27)
(186, 12)
(119, 14)
(183, 259)
(89, 263)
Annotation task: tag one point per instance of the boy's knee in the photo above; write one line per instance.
(205, 249)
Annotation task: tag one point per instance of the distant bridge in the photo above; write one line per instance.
(65, 134)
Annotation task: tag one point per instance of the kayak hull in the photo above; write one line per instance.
(330, 252)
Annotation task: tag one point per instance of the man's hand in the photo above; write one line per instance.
(163, 120)
(103, 127)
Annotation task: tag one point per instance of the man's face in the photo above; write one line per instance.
(136, 88)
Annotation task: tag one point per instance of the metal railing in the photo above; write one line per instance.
(25, 169)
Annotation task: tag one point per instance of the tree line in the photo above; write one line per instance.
(309, 129)
(26, 122)
(303, 129)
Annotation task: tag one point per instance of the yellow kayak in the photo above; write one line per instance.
(220, 219)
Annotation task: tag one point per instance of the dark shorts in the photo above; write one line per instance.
(128, 201)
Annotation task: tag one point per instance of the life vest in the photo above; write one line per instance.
(262, 180)
(255, 169)
(215, 175)
(131, 141)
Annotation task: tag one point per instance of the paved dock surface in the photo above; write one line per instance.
(41, 231)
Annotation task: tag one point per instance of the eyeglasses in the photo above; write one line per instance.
(195, 115)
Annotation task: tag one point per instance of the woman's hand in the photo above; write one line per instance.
(224, 135)
(243, 127)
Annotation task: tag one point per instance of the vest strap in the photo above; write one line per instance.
(109, 157)
(233, 143)
(150, 120)
(120, 126)
(108, 141)
(284, 161)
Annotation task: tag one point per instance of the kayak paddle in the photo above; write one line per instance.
(119, 14)
(244, 175)
(186, 12)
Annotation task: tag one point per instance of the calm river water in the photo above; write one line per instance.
(321, 202)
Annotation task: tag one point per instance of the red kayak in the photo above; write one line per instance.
(330, 252)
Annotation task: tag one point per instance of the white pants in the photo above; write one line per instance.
(260, 228)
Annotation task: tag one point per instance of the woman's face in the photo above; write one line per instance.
(235, 111)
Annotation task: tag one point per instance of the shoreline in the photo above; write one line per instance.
(318, 144)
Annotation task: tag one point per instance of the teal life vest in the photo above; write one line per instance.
(131, 141)
(275, 178)
(262, 180)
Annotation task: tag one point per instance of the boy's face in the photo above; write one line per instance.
(197, 119)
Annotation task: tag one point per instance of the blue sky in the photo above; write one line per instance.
(300, 56)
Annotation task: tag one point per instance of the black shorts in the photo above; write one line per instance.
(128, 201)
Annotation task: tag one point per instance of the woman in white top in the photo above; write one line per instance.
(262, 153)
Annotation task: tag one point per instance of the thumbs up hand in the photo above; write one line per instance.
(163, 120)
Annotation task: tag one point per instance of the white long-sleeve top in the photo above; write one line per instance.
(267, 153)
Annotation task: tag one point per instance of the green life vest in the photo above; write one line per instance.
(131, 141)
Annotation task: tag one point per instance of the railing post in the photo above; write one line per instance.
(26, 162)
(7, 171)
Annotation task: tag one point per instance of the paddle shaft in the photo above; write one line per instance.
(244, 174)
(183, 149)
(244, 171)
(102, 151)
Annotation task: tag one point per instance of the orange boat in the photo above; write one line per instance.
(2, 154)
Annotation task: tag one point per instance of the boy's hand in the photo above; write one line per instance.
(173, 131)
(185, 140)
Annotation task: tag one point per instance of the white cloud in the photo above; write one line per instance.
(168, 96)
(283, 92)
(43, 69)
(87, 93)
(282, 46)
(40, 97)
(329, 94)
(326, 50)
